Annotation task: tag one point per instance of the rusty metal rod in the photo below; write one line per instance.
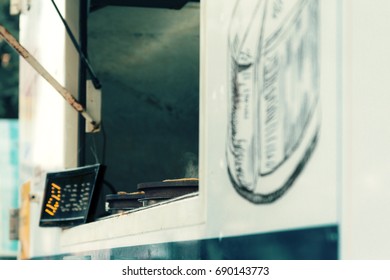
(46, 75)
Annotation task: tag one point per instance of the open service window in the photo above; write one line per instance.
(147, 60)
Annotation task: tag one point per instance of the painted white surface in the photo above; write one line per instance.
(47, 125)
(174, 221)
(365, 227)
(312, 199)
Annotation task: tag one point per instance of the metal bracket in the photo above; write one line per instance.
(19, 6)
(14, 224)
(94, 105)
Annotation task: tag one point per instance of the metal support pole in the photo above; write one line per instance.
(47, 76)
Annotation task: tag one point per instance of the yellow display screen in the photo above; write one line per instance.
(53, 203)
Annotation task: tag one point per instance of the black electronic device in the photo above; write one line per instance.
(122, 201)
(70, 197)
(160, 191)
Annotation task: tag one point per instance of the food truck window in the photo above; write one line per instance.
(147, 60)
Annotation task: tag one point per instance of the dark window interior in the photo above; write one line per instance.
(147, 61)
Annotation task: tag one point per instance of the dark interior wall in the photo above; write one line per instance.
(147, 60)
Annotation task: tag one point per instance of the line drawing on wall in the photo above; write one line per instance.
(274, 95)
